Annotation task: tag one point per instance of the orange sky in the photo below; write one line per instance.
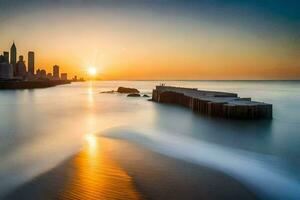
(140, 45)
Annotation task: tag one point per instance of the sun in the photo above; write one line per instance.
(92, 71)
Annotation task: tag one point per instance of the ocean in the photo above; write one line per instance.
(41, 128)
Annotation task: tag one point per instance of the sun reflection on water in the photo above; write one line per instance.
(93, 174)
(96, 176)
(90, 94)
(91, 140)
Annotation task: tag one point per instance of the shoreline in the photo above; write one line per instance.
(117, 169)
(16, 85)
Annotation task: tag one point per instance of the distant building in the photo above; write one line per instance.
(64, 76)
(13, 54)
(49, 76)
(43, 74)
(56, 72)
(6, 69)
(13, 57)
(6, 56)
(20, 68)
(38, 71)
(31, 63)
(75, 78)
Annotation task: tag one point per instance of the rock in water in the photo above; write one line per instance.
(134, 95)
(110, 91)
(127, 90)
(145, 95)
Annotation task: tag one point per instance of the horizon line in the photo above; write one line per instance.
(193, 80)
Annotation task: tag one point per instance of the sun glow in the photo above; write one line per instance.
(91, 140)
(92, 71)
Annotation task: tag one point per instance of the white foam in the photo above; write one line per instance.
(263, 174)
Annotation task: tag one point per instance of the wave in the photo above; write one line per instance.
(263, 174)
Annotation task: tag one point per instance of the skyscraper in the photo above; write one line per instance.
(31, 62)
(13, 57)
(56, 72)
(13, 54)
(20, 67)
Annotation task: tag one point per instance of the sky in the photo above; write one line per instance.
(158, 39)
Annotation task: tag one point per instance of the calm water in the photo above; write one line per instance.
(40, 128)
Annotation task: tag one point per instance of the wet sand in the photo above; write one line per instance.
(91, 174)
(116, 169)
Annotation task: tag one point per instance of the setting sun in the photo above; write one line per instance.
(92, 71)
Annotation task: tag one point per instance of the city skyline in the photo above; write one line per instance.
(13, 69)
(152, 40)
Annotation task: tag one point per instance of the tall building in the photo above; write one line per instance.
(55, 72)
(6, 56)
(13, 57)
(20, 67)
(13, 54)
(31, 62)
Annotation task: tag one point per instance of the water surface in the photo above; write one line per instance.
(40, 128)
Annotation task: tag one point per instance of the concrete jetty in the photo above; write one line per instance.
(212, 103)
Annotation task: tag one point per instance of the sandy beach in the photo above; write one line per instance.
(117, 169)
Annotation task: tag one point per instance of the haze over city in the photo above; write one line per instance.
(149, 40)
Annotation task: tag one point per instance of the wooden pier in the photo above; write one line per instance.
(212, 103)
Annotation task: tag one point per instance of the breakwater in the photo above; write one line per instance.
(212, 103)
